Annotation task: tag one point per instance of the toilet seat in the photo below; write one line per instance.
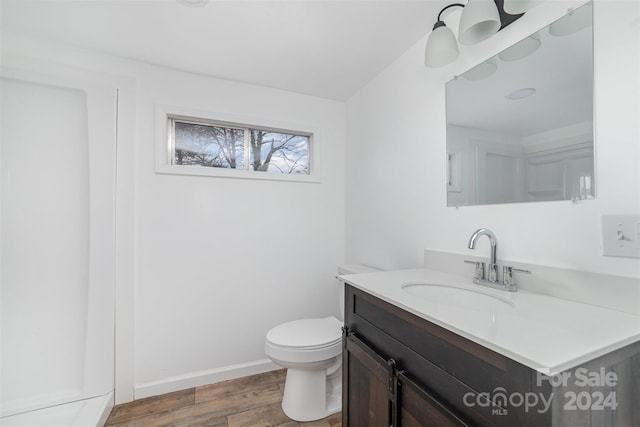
(306, 340)
(306, 333)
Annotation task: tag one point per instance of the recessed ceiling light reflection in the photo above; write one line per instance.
(193, 3)
(515, 7)
(521, 93)
(521, 49)
(481, 71)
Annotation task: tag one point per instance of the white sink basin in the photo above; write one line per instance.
(458, 296)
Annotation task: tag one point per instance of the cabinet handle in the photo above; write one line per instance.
(391, 370)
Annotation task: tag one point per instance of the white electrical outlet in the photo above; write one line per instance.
(621, 235)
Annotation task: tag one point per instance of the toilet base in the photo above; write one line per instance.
(312, 395)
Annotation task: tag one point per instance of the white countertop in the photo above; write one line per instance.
(545, 333)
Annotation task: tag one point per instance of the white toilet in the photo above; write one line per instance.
(311, 350)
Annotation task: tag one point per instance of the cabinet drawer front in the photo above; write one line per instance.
(472, 363)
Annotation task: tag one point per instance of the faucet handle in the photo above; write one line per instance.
(479, 271)
(507, 274)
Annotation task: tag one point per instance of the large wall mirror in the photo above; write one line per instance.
(520, 125)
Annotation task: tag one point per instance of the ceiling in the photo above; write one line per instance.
(323, 48)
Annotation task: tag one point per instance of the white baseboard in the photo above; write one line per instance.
(195, 379)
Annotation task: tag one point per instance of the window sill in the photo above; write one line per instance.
(234, 173)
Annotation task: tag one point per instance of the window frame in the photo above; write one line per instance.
(165, 144)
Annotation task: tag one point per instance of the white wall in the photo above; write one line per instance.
(396, 192)
(220, 261)
(217, 261)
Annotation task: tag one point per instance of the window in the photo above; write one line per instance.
(204, 146)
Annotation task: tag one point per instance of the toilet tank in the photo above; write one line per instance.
(349, 269)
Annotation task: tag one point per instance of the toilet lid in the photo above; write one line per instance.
(307, 333)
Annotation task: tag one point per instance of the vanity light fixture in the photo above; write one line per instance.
(442, 47)
(480, 20)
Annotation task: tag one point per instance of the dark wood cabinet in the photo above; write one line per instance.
(415, 407)
(368, 385)
(402, 370)
(377, 394)
(431, 376)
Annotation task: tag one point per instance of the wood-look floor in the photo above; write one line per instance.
(245, 402)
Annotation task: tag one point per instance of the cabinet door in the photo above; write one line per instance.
(417, 408)
(367, 386)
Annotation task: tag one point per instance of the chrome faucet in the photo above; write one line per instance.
(491, 279)
(492, 275)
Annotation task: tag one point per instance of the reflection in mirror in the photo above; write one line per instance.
(520, 125)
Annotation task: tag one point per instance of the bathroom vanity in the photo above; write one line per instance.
(421, 348)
